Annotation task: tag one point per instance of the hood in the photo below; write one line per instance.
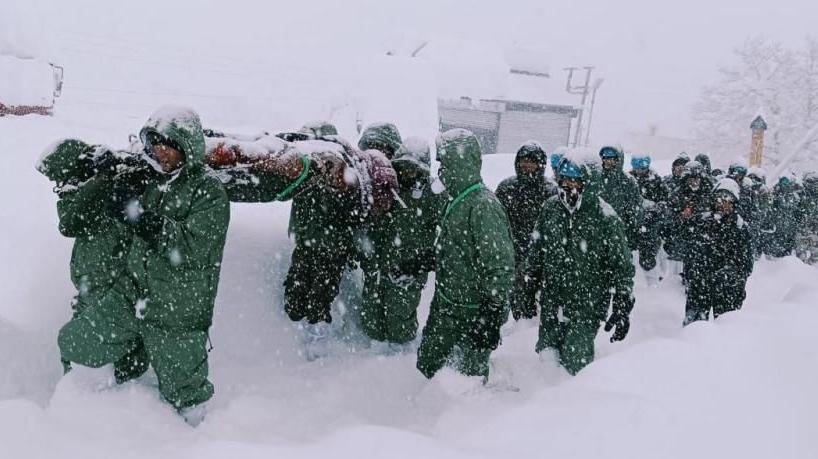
(533, 151)
(459, 154)
(182, 127)
(415, 152)
(704, 160)
(383, 137)
(67, 161)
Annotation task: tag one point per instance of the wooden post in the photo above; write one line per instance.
(758, 127)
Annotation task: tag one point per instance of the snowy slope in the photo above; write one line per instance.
(740, 387)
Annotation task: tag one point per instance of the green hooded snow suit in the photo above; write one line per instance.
(579, 263)
(474, 266)
(166, 301)
(401, 240)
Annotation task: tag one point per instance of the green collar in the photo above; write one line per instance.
(461, 197)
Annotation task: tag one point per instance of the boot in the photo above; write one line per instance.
(316, 340)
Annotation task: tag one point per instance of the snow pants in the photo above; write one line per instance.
(110, 332)
(704, 295)
(445, 341)
(132, 365)
(312, 282)
(650, 238)
(389, 311)
(573, 341)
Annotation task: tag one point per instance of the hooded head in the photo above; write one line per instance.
(704, 160)
(679, 163)
(725, 196)
(573, 184)
(68, 162)
(810, 183)
(737, 171)
(530, 161)
(177, 128)
(459, 155)
(383, 137)
(318, 129)
(612, 158)
(693, 175)
(412, 162)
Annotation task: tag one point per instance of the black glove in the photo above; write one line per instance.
(400, 278)
(484, 332)
(148, 226)
(621, 322)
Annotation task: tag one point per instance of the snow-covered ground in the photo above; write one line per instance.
(739, 387)
(743, 386)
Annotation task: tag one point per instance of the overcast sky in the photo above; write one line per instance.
(655, 56)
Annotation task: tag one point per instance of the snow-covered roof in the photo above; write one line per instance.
(25, 82)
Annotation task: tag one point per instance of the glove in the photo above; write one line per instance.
(484, 332)
(148, 226)
(620, 322)
(330, 170)
(400, 278)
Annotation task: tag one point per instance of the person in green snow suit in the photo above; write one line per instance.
(806, 233)
(721, 257)
(783, 218)
(325, 219)
(577, 267)
(86, 178)
(166, 301)
(622, 193)
(401, 239)
(474, 266)
(654, 202)
(523, 196)
(383, 137)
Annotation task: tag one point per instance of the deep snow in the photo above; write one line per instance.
(743, 386)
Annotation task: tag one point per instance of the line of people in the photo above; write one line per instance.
(150, 222)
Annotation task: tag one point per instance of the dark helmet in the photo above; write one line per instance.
(681, 160)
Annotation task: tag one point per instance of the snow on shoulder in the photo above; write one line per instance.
(607, 209)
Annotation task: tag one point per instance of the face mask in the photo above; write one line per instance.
(694, 184)
(571, 197)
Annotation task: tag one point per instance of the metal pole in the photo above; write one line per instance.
(597, 84)
(578, 132)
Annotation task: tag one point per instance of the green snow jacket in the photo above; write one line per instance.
(622, 193)
(179, 273)
(579, 261)
(523, 197)
(474, 250)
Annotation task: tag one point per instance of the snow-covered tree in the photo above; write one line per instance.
(765, 78)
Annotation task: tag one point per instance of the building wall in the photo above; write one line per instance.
(502, 127)
(550, 129)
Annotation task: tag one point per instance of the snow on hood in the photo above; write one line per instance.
(729, 185)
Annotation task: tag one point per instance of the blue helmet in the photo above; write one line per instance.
(609, 152)
(736, 168)
(555, 160)
(568, 169)
(640, 162)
